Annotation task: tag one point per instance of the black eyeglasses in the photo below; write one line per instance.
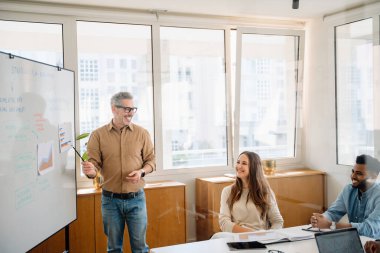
(127, 108)
(275, 251)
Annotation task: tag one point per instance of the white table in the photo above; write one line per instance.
(220, 246)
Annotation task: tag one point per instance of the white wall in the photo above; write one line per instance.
(319, 127)
(319, 139)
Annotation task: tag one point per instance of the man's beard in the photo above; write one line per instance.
(362, 185)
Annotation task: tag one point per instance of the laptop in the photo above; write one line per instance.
(339, 241)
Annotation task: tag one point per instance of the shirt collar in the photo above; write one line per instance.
(110, 126)
(369, 191)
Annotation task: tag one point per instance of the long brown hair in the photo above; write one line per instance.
(258, 186)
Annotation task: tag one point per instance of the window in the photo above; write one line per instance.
(193, 97)
(354, 90)
(37, 41)
(266, 96)
(194, 94)
(109, 56)
(88, 70)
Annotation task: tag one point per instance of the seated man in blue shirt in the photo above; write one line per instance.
(359, 200)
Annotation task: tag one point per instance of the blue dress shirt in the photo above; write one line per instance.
(363, 211)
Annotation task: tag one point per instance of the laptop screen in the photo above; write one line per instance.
(339, 241)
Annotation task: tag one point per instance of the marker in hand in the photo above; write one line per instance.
(78, 153)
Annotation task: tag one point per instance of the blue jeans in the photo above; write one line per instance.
(116, 212)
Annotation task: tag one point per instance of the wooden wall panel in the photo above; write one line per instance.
(55, 243)
(166, 215)
(208, 195)
(299, 197)
(82, 231)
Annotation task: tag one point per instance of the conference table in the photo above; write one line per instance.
(220, 245)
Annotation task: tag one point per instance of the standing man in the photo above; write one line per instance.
(123, 154)
(360, 200)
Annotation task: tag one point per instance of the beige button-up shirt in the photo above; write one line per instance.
(116, 153)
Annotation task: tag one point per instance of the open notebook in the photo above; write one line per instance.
(275, 236)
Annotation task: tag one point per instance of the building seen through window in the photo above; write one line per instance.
(354, 86)
(193, 97)
(113, 58)
(268, 95)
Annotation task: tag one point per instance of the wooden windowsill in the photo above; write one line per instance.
(295, 173)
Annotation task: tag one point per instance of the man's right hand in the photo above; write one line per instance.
(89, 169)
(317, 220)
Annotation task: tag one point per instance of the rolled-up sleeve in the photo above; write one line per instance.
(148, 155)
(339, 208)
(225, 219)
(93, 150)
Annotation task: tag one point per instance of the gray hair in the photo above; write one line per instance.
(115, 99)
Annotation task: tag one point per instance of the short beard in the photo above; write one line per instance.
(362, 185)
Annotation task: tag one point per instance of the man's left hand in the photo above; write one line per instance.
(134, 176)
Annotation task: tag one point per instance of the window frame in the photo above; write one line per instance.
(336, 20)
(200, 169)
(68, 16)
(159, 149)
(281, 162)
(336, 89)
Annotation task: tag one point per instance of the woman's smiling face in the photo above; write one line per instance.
(242, 167)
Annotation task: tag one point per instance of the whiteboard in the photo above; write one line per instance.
(37, 165)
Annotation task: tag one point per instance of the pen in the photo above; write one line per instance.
(78, 153)
(311, 229)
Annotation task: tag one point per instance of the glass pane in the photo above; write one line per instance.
(233, 37)
(354, 85)
(193, 97)
(37, 41)
(113, 58)
(268, 95)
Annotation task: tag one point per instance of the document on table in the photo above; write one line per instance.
(275, 236)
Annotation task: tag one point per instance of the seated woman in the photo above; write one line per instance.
(249, 204)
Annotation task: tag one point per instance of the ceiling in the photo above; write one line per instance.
(237, 8)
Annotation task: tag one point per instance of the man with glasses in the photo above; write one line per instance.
(123, 154)
(360, 200)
